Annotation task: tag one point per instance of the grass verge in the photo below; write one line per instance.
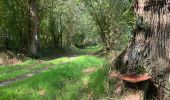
(65, 80)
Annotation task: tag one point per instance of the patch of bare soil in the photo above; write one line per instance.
(128, 95)
(89, 70)
(42, 92)
(120, 91)
(133, 95)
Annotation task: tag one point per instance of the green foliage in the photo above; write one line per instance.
(79, 40)
(14, 18)
(67, 23)
(112, 18)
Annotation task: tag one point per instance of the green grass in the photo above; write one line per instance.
(88, 50)
(65, 80)
(13, 71)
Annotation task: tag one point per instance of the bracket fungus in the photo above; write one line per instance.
(130, 78)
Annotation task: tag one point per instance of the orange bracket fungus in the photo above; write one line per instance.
(131, 78)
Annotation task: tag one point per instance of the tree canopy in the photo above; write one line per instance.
(65, 23)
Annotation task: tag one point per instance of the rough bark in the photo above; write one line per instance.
(149, 49)
(33, 27)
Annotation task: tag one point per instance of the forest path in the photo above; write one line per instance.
(22, 77)
(13, 73)
(45, 66)
(66, 78)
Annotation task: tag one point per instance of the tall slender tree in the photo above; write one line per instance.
(33, 26)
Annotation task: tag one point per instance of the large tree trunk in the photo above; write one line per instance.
(149, 49)
(33, 27)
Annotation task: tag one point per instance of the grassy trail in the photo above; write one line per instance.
(67, 78)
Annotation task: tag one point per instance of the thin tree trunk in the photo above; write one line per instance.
(33, 27)
(149, 48)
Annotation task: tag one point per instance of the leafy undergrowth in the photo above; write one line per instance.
(64, 80)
